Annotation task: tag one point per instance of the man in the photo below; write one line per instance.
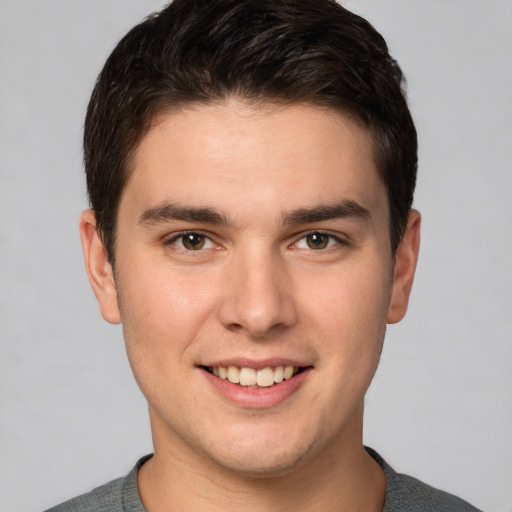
(251, 168)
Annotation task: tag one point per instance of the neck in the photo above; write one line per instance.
(341, 477)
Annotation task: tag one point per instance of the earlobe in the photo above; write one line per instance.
(99, 270)
(405, 266)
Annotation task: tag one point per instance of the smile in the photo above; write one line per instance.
(254, 378)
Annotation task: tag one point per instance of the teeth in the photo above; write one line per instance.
(233, 374)
(263, 378)
(288, 372)
(247, 377)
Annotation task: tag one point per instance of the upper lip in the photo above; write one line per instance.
(244, 362)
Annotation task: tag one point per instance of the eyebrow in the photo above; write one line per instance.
(170, 212)
(343, 209)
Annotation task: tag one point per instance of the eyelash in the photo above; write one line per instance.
(331, 238)
(208, 240)
(182, 235)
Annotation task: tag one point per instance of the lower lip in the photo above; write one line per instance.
(257, 398)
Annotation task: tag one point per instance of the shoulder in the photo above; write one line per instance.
(408, 493)
(404, 492)
(108, 497)
(120, 495)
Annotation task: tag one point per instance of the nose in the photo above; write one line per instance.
(257, 298)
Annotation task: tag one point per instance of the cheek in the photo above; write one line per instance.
(161, 316)
(348, 315)
(162, 311)
(355, 300)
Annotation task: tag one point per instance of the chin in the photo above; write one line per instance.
(262, 466)
(268, 457)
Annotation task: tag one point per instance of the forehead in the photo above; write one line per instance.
(241, 156)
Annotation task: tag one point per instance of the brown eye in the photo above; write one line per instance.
(317, 240)
(193, 241)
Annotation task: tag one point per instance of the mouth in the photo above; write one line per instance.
(253, 377)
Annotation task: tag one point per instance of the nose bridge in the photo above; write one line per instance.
(257, 296)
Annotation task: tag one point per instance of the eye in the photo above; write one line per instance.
(317, 240)
(191, 241)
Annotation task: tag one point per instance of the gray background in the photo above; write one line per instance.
(441, 405)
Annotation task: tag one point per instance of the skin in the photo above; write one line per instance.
(257, 292)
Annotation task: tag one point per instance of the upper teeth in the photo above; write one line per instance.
(264, 377)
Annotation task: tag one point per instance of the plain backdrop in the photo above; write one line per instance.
(440, 407)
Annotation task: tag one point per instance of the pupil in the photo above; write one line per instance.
(317, 241)
(193, 241)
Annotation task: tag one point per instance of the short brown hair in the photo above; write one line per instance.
(203, 51)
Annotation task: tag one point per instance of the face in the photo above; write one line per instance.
(254, 280)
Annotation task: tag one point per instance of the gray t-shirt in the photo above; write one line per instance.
(403, 494)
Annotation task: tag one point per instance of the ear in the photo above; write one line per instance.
(99, 270)
(405, 265)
